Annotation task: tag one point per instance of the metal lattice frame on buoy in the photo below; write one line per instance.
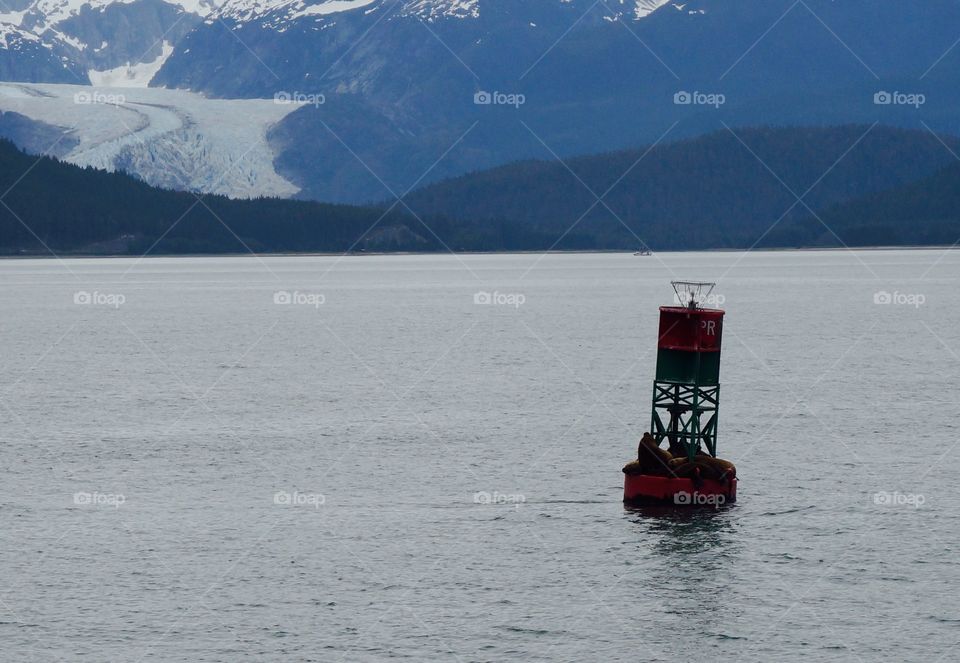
(686, 391)
(692, 294)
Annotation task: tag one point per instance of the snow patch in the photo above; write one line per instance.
(135, 75)
(332, 7)
(12, 17)
(55, 11)
(288, 10)
(11, 36)
(633, 9)
(433, 9)
(646, 7)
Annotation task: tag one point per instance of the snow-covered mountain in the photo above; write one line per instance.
(394, 85)
(242, 49)
(282, 12)
(125, 42)
(76, 41)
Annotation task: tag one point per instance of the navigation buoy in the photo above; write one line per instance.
(686, 402)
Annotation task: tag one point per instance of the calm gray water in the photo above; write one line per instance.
(193, 472)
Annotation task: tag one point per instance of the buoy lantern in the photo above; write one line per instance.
(685, 407)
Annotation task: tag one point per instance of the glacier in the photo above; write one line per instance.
(175, 139)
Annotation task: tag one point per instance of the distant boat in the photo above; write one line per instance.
(644, 252)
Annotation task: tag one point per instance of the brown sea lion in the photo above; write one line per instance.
(709, 468)
(724, 468)
(653, 460)
(677, 448)
(696, 469)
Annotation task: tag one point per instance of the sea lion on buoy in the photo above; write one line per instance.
(694, 469)
(717, 469)
(677, 462)
(677, 448)
(653, 460)
(724, 468)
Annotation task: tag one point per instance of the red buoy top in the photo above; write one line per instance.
(690, 329)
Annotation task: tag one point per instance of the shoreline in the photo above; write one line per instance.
(354, 254)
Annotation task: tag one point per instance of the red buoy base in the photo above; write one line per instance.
(646, 489)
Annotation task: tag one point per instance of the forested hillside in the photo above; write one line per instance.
(47, 203)
(723, 190)
(924, 212)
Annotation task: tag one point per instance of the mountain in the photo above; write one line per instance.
(399, 77)
(721, 190)
(103, 42)
(400, 93)
(24, 56)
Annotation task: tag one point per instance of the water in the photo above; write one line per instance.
(192, 472)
